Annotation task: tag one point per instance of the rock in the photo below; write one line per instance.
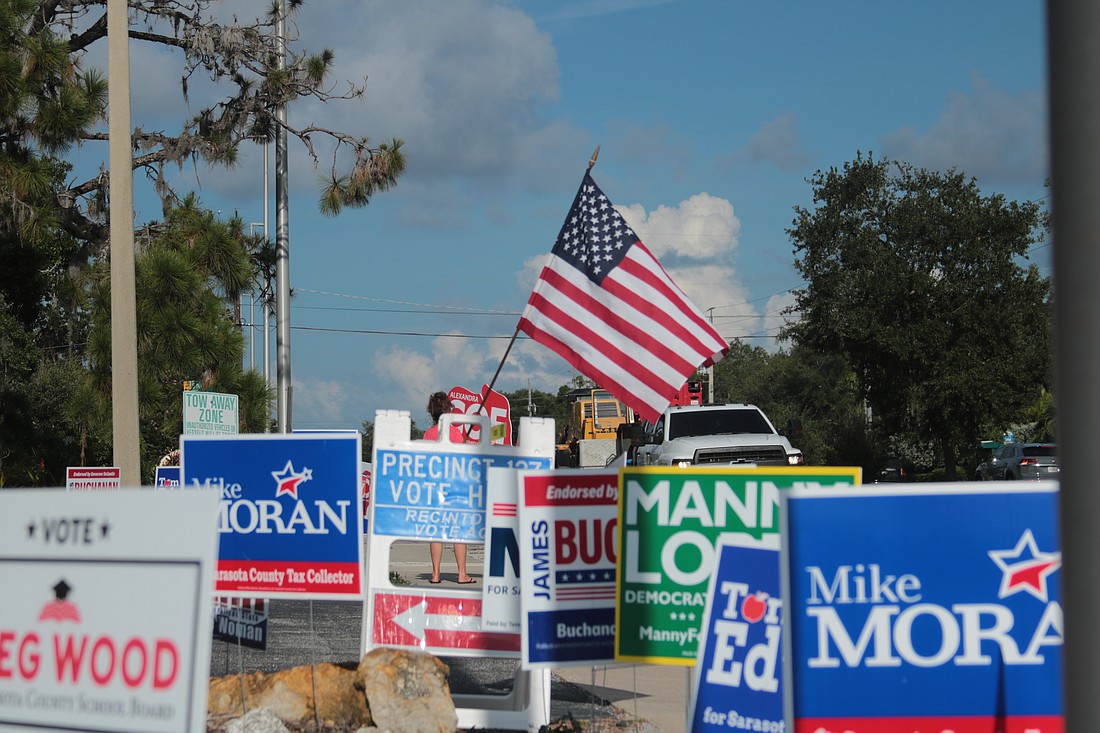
(289, 695)
(260, 720)
(407, 691)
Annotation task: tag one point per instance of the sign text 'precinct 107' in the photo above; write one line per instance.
(430, 495)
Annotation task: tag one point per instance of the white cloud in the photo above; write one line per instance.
(987, 133)
(319, 403)
(702, 227)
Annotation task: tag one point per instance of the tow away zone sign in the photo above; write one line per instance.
(210, 413)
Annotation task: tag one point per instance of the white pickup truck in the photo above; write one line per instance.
(692, 435)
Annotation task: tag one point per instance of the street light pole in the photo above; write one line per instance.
(282, 246)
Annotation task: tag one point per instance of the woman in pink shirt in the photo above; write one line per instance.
(439, 404)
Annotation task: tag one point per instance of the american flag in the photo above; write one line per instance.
(607, 307)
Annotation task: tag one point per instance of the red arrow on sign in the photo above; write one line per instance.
(423, 621)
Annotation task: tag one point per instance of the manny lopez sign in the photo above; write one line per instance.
(925, 609)
(104, 614)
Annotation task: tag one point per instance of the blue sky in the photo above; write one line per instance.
(710, 115)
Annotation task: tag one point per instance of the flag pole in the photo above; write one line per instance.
(484, 395)
(492, 383)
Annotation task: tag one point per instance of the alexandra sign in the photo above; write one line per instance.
(103, 620)
(925, 610)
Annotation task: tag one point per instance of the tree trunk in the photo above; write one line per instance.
(949, 458)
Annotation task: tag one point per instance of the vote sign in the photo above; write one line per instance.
(925, 609)
(289, 518)
(669, 523)
(439, 492)
(104, 613)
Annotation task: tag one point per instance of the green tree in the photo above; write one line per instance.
(817, 390)
(917, 279)
(543, 404)
(190, 269)
(54, 241)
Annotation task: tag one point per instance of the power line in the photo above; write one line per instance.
(402, 333)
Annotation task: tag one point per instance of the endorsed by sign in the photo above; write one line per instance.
(90, 478)
(669, 523)
(104, 616)
(925, 609)
(289, 519)
(210, 413)
(739, 675)
(568, 532)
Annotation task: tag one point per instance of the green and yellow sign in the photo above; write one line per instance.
(669, 524)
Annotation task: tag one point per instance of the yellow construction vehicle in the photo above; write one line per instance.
(588, 438)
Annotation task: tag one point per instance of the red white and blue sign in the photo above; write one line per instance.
(568, 540)
(167, 477)
(289, 518)
(438, 625)
(925, 610)
(739, 673)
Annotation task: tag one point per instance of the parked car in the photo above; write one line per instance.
(890, 470)
(1025, 461)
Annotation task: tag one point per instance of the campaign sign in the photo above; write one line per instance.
(241, 621)
(437, 492)
(429, 490)
(500, 610)
(289, 517)
(739, 675)
(669, 522)
(167, 477)
(568, 533)
(435, 624)
(925, 609)
(495, 406)
(93, 478)
(104, 620)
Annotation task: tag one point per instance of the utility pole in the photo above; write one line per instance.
(1073, 80)
(710, 369)
(124, 391)
(282, 246)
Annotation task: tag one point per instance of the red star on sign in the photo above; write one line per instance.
(1024, 568)
(286, 481)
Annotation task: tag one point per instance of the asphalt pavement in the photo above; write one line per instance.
(628, 697)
